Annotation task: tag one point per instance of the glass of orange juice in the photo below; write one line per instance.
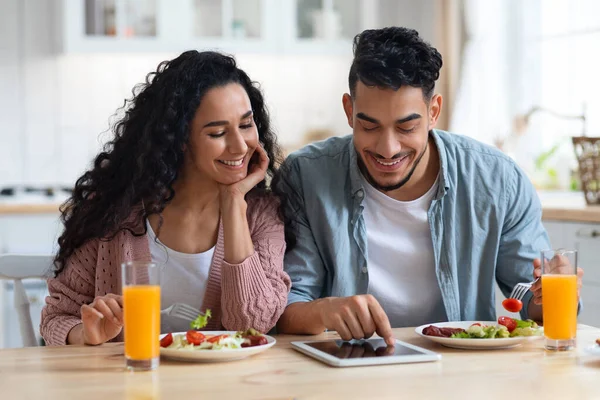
(559, 298)
(141, 314)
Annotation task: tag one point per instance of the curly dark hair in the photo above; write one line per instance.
(394, 57)
(142, 161)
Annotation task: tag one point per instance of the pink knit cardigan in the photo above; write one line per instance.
(240, 296)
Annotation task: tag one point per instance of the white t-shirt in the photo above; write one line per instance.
(400, 258)
(183, 279)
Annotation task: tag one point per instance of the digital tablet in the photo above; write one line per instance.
(340, 353)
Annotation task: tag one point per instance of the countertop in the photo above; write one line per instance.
(557, 206)
(29, 208)
(568, 207)
(23, 203)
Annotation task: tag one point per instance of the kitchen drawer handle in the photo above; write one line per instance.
(593, 233)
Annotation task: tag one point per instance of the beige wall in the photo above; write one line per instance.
(449, 36)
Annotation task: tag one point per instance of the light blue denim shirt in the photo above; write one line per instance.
(485, 222)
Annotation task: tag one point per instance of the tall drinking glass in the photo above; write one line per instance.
(141, 314)
(559, 298)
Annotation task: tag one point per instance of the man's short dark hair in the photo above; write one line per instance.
(393, 57)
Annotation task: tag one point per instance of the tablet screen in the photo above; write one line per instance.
(362, 348)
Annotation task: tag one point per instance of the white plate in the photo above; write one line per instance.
(593, 350)
(473, 344)
(214, 355)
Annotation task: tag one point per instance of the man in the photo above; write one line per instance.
(400, 224)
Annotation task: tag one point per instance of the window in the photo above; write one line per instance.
(562, 60)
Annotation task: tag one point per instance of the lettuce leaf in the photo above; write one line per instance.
(460, 335)
(201, 321)
(526, 324)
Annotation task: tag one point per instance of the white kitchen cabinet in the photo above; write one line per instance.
(329, 26)
(235, 26)
(586, 240)
(29, 233)
(587, 243)
(325, 26)
(146, 26)
(559, 236)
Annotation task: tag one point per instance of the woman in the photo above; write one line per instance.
(181, 184)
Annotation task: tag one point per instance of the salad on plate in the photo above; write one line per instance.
(195, 340)
(506, 328)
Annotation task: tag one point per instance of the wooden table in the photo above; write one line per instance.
(281, 373)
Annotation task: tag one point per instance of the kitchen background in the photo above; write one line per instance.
(513, 70)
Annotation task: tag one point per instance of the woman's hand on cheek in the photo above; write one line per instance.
(256, 174)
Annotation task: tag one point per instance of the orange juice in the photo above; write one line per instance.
(559, 296)
(141, 313)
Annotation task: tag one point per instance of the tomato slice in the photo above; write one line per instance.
(508, 322)
(166, 340)
(194, 337)
(512, 305)
(215, 339)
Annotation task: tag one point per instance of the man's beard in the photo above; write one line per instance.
(363, 168)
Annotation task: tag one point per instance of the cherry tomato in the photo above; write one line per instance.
(508, 322)
(215, 339)
(512, 305)
(194, 337)
(166, 340)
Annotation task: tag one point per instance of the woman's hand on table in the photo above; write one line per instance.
(102, 320)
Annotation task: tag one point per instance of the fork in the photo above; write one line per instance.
(521, 289)
(181, 310)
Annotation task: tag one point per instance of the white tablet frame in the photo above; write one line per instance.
(425, 356)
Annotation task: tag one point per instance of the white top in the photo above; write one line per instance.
(400, 258)
(183, 279)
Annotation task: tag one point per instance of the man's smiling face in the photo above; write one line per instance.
(391, 130)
